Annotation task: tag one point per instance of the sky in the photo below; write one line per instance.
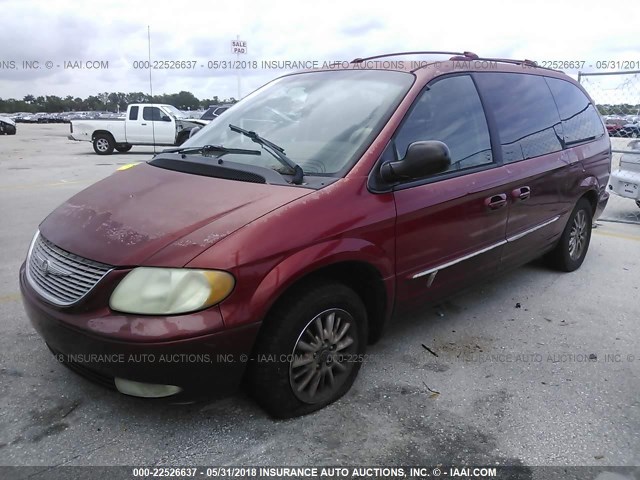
(201, 32)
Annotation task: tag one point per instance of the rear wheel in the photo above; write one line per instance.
(572, 248)
(123, 148)
(103, 144)
(309, 351)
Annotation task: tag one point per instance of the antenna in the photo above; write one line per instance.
(153, 123)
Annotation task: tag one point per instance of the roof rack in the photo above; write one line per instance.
(528, 63)
(456, 56)
(525, 62)
(462, 55)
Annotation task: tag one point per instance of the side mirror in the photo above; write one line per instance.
(165, 118)
(421, 160)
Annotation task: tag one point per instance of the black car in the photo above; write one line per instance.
(7, 126)
(629, 130)
(214, 111)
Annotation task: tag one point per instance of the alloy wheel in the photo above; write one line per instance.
(578, 235)
(102, 144)
(323, 356)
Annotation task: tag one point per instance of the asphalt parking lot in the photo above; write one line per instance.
(534, 368)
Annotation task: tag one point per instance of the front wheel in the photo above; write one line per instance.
(103, 144)
(309, 351)
(572, 248)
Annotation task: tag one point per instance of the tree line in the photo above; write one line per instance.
(619, 109)
(183, 100)
(105, 101)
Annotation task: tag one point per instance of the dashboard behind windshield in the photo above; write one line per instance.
(323, 120)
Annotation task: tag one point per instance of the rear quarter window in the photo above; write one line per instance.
(133, 113)
(580, 120)
(525, 114)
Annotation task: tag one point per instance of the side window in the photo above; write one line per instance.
(450, 111)
(525, 112)
(152, 113)
(580, 120)
(133, 113)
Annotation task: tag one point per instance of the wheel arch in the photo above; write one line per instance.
(592, 197)
(369, 276)
(364, 279)
(102, 132)
(590, 191)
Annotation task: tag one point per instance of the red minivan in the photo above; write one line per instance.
(279, 240)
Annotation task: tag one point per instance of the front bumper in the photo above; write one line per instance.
(203, 366)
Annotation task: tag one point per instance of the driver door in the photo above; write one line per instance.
(450, 227)
(150, 129)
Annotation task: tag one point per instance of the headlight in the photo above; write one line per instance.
(169, 291)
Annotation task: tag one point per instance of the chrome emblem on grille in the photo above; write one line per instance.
(48, 267)
(44, 266)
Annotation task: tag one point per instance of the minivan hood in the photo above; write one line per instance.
(149, 215)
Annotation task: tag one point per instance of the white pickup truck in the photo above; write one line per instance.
(144, 124)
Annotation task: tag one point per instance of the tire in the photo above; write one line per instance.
(573, 245)
(123, 148)
(321, 375)
(638, 203)
(103, 144)
(182, 137)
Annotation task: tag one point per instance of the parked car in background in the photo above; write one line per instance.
(144, 124)
(25, 117)
(193, 113)
(628, 130)
(7, 126)
(614, 124)
(239, 262)
(215, 111)
(625, 181)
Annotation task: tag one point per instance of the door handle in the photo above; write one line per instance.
(496, 201)
(143, 124)
(521, 193)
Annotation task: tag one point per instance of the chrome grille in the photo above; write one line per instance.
(59, 276)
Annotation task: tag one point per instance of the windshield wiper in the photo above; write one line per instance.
(275, 150)
(204, 149)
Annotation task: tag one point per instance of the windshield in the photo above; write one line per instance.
(322, 120)
(174, 111)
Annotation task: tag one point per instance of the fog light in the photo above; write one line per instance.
(146, 390)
